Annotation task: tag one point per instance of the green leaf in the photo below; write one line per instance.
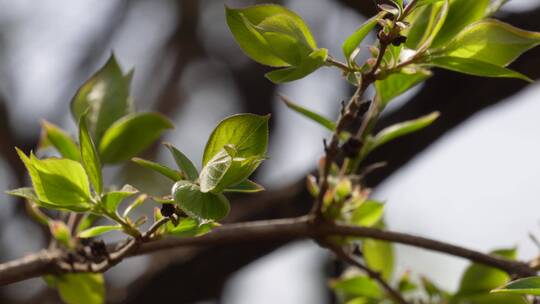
(421, 3)
(89, 156)
(461, 13)
(426, 23)
(358, 286)
(189, 227)
(246, 186)
(98, 230)
(131, 135)
(399, 130)
(136, 203)
(307, 65)
(248, 133)
(253, 26)
(203, 206)
(52, 135)
(525, 286)
(398, 83)
(111, 200)
(105, 96)
(61, 232)
(476, 68)
(159, 168)
(367, 214)
(495, 6)
(183, 163)
(479, 279)
(59, 183)
(79, 288)
(225, 170)
(379, 256)
(350, 46)
(321, 120)
(492, 41)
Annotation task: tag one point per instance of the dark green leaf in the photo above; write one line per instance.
(159, 168)
(461, 13)
(60, 140)
(246, 186)
(59, 183)
(321, 120)
(131, 135)
(476, 68)
(492, 41)
(89, 156)
(526, 286)
(105, 96)
(248, 133)
(307, 65)
(203, 206)
(183, 163)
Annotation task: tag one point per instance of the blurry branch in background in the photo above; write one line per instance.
(53, 262)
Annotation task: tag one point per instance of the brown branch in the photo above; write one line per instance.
(51, 262)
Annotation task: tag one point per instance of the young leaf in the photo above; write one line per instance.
(246, 186)
(479, 279)
(476, 68)
(105, 96)
(421, 3)
(159, 168)
(249, 24)
(89, 156)
(526, 286)
(308, 64)
(79, 288)
(203, 206)
(379, 256)
(59, 183)
(248, 133)
(368, 214)
(461, 13)
(61, 232)
(353, 41)
(492, 41)
(189, 227)
(321, 120)
(426, 22)
(111, 200)
(130, 135)
(398, 83)
(401, 129)
(136, 203)
(183, 163)
(358, 286)
(98, 230)
(60, 140)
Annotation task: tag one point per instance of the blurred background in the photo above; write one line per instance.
(472, 178)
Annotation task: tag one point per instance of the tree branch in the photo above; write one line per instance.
(52, 262)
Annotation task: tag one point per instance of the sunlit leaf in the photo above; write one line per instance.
(89, 156)
(525, 286)
(79, 288)
(98, 230)
(307, 65)
(111, 200)
(367, 214)
(246, 186)
(398, 83)
(358, 286)
(353, 41)
(159, 168)
(318, 118)
(476, 68)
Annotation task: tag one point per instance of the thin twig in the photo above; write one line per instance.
(341, 254)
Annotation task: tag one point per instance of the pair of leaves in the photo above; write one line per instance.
(275, 36)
